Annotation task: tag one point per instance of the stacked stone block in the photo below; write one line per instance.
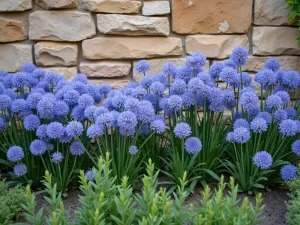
(105, 38)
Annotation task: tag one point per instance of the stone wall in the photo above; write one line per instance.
(105, 38)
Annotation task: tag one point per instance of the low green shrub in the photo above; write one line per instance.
(104, 202)
(10, 203)
(293, 205)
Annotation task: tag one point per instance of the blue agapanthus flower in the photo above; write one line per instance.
(33, 99)
(95, 131)
(65, 138)
(57, 157)
(266, 116)
(132, 150)
(76, 148)
(39, 74)
(266, 77)
(174, 103)
(38, 147)
(246, 79)
(291, 112)
(71, 97)
(195, 85)
(230, 137)
(230, 63)
(41, 131)
(285, 97)
(263, 160)
(288, 128)
(280, 115)
(99, 110)
(259, 125)
(19, 80)
(78, 113)
(241, 135)
(196, 61)
(157, 88)
(273, 102)
(184, 73)
(28, 67)
(228, 75)
(240, 123)
(55, 130)
(104, 89)
(19, 107)
(288, 172)
(249, 100)
(81, 78)
(145, 111)
(272, 64)
(52, 78)
(291, 80)
(158, 126)
(239, 56)
(127, 121)
(188, 99)
(15, 154)
(296, 147)
(85, 101)
(31, 122)
(215, 69)
(89, 175)
(20, 170)
(139, 93)
(193, 145)
(182, 130)
(61, 108)
(5, 102)
(178, 87)
(45, 108)
(146, 81)
(169, 69)
(106, 119)
(74, 129)
(142, 66)
(229, 99)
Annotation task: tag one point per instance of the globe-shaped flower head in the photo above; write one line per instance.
(193, 145)
(240, 123)
(20, 170)
(132, 150)
(262, 160)
(158, 126)
(127, 120)
(259, 125)
(265, 77)
(157, 88)
(85, 101)
(76, 148)
(31, 122)
(196, 61)
(169, 69)
(15, 154)
(296, 147)
(182, 130)
(249, 100)
(142, 66)
(288, 128)
(57, 157)
(284, 96)
(272, 64)
(28, 67)
(5, 102)
(95, 130)
(280, 115)
(178, 87)
(273, 102)
(89, 175)
(239, 56)
(241, 135)
(38, 147)
(74, 129)
(288, 172)
(55, 130)
(195, 85)
(215, 69)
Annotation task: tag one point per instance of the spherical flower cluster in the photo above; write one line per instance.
(45, 108)
(272, 64)
(157, 88)
(239, 56)
(291, 80)
(241, 135)
(28, 67)
(249, 100)
(174, 103)
(188, 99)
(85, 101)
(184, 73)
(95, 130)
(229, 99)
(228, 75)
(142, 66)
(280, 115)
(193, 145)
(170, 69)
(100, 110)
(89, 112)
(259, 125)
(76, 148)
(215, 69)
(20, 170)
(38, 147)
(288, 172)
(31, 122)
(146, 81)
(182, 130)
(230, 137)
(104, 89)
(230, 63)
(89, 175)
(41, 131)
(5, 101)
(266, 116)
(246, 79)
(263, 160)
(55, 130)
(57, 157)
(265, 77)
(288, 128)
(81, 78)
(273, 102)
(145, 111)
(61, 108)
(127, 120)
(296, 147)
(71, 97)
(284, 96)
(196, 61)
(74, 129)
(33, 99)
(178, 87)
(158, 126)
(291, 112)
(15, 154)
(132, 150)
(19, 107)
(195, 85)
(240, 123)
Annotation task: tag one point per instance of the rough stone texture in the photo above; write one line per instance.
(114, 83)
(129, 47)
(157, 64)
(56, 54)
(271, 12)
(132, 25)
(256, 63)
(105, 69)
(12, 30)
(156, 8)
(13, 56)
(15, 5)
(275, 41)
(112, 6)
(57, 4)
(215, 46)
(211, 16)
(61, 25)
(69, 72)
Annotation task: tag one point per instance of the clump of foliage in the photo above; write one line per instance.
(10, 202)
(293, 213)
(105, 202)
(294, 5)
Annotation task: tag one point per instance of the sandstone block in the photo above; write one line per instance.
(271, 12)
(114, 83)
(275, 41)
(210, 17)
(13, 56)
(112, 6)
(68, 72)
(156, 8)
(61, 26)
(105, 69)
(57, 4)
(56, 54)
(132, 25)
(215, 46)
(131, 47)
(12, 30)
(15, 5)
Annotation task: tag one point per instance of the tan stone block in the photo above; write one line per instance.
(13, 56)
(215, 46)
(114, 83)
(57, 4)
(275, 41)
(61, 26)
(131, 47)
(211, 16)
(156, 8)
(271, 12)
(106, 69)
(112, 6)
(55, 53)
(12, 30)
(132, 25)
(68, 72)
(15, 5)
